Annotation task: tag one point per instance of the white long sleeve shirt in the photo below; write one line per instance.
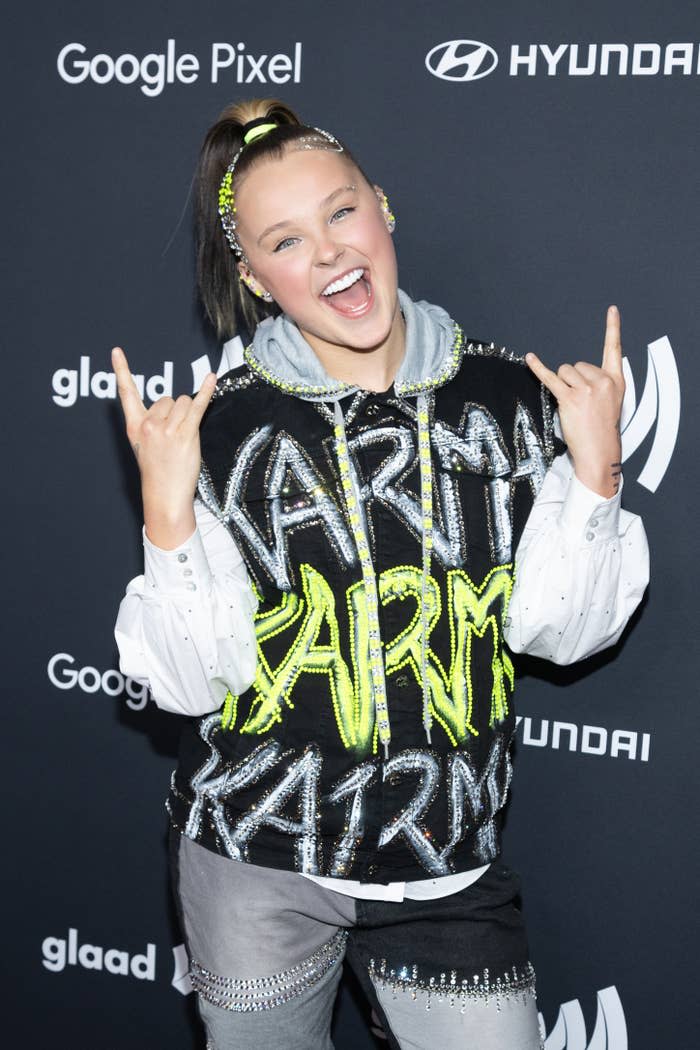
(185, 627)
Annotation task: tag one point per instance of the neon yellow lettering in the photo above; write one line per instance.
(476, 610)
(361, 703)
(473, 611)
(274, 687)
(405, 581)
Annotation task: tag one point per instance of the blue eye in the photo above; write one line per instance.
(282, 244)
(341, 212)
(337, 216)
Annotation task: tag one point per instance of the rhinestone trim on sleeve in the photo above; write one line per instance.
(229, 383)
(475, 348)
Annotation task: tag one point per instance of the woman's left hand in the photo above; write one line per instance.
(590, 402)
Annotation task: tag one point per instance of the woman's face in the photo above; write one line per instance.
(315, 237)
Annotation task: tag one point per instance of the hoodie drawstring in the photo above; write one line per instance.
(353, 500)
(426, 500)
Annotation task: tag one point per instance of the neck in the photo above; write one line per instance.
(373, 368)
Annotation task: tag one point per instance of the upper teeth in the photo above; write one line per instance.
(342, 282)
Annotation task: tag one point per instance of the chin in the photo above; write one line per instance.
(357, 335)
(371, 341)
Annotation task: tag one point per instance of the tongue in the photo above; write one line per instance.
(350, 299)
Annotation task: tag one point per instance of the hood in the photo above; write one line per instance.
(281, 355)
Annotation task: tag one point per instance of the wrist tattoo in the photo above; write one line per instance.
(617, 474)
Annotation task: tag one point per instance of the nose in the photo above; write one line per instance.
(328, 250)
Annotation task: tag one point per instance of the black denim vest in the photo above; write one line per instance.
(289, 775)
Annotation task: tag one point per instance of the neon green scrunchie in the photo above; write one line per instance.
(257, 132)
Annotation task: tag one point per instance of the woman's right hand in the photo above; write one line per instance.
(165, 440)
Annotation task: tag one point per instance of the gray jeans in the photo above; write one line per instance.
(266, 951)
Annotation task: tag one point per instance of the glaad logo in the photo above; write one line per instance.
(569, 1032)
(64, 676)
(68, 384)
(57, 954)
(461, 60)
(660, 403)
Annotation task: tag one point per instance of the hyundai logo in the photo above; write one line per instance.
(461, 60)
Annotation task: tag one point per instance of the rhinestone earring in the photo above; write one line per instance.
(247, 280)
(389, 217)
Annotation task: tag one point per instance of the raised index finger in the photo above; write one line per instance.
(132, 404)
(612, 347)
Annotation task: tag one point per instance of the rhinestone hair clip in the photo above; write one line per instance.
(257, 129)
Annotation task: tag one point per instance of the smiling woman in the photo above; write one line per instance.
(327, 259)
(296, 241)
(335, 609)
(225, 155)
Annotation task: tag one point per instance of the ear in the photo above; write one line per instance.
(251, 282)
(389, 217)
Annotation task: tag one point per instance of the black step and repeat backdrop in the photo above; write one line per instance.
(542, 161)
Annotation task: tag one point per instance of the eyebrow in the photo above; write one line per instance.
(323, 204)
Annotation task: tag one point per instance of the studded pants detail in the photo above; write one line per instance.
(266, 951)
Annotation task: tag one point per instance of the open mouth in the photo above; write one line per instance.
(350, 294)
